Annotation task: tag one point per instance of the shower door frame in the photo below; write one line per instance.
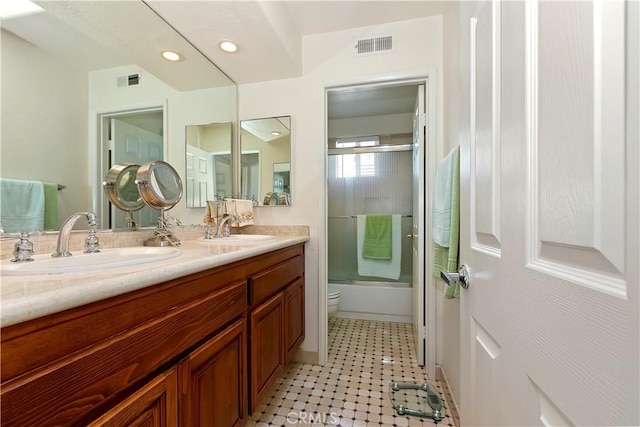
(432, 146)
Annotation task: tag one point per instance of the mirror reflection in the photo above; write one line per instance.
(208, 163)
(73, 72)
(160, 187)
(265, 164)
(120, 187)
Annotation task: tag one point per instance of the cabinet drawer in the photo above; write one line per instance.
(65, 392)
(267, 283)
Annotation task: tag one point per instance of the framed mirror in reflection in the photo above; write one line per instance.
(265, 162)
(208, 163)
(74, 71)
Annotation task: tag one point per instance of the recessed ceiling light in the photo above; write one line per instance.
(171, 56)
(228, 46)
(275, 133)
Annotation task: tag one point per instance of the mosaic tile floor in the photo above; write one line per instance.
(352, 389)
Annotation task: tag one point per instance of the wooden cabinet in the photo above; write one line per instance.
(267, 346)
(213, 381)
(153, 405)
(276, 322)
(171, 354)
(294, 317)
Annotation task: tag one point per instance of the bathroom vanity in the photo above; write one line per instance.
(200, 349)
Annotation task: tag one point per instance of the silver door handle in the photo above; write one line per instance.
(461, 276)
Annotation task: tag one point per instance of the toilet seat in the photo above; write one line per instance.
(333, 302)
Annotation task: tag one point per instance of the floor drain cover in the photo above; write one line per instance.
(416, 399)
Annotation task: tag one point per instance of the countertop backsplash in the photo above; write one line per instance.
(46, 242)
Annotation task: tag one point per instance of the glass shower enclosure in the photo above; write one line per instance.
(367, 182)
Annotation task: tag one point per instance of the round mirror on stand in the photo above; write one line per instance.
(160, 187)
(121, 189)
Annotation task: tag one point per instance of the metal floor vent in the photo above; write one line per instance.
(374, 45)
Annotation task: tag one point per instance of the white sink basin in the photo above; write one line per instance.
(238, 239)
(79, 262)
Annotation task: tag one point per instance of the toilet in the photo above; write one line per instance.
(333, 302)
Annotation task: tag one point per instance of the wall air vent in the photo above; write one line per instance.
(130, 80)
(383, 44)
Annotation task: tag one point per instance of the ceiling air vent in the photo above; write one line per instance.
(130, 80)
(374, 45)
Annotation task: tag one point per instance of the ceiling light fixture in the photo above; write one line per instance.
(171, 56)
(275, 133)
(228, 46)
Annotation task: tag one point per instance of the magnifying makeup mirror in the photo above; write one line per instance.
(160, 187)
(119, 184)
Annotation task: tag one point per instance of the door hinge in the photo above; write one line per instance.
(423, 332)
(423, 119)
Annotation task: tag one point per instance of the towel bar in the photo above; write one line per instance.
(356, 216)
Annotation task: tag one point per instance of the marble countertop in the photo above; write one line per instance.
(28, 297)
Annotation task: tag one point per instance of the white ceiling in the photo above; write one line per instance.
(270, 33)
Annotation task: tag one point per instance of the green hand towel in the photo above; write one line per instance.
(50, 205)
(377, 237)
(446, 259)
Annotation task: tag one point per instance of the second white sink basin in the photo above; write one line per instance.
(238, 239)
(79, 262)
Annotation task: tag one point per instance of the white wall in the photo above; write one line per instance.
(44, 125)
(183, 108)
(448, 310)
(329, 60)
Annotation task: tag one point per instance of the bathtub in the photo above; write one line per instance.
(391, 302)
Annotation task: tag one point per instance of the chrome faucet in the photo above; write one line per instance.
(62, 246)
(223, 227)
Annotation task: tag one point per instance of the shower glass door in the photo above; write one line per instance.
(367, 183)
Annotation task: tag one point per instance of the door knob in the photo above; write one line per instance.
(410, 236)
(461, 276)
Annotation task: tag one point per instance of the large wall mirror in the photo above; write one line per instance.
(77, 78)
(208, 163)
(265, 161)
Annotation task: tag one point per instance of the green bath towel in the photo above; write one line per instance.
(377, 237)
(50, 206)
(446, 259)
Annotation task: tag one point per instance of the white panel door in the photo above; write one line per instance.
(549, 205)
(135, 145)
(200, 172)
(419, 280)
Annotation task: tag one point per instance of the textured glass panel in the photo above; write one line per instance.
(361, 184)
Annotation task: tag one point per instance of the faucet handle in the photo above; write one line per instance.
(207, 232)
(23, 249)
(91, 242)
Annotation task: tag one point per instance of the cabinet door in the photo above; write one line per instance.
(294, 317)
(213, 381)
(154, 405)
(267, 346)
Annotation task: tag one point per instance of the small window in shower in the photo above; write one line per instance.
(355, 165)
